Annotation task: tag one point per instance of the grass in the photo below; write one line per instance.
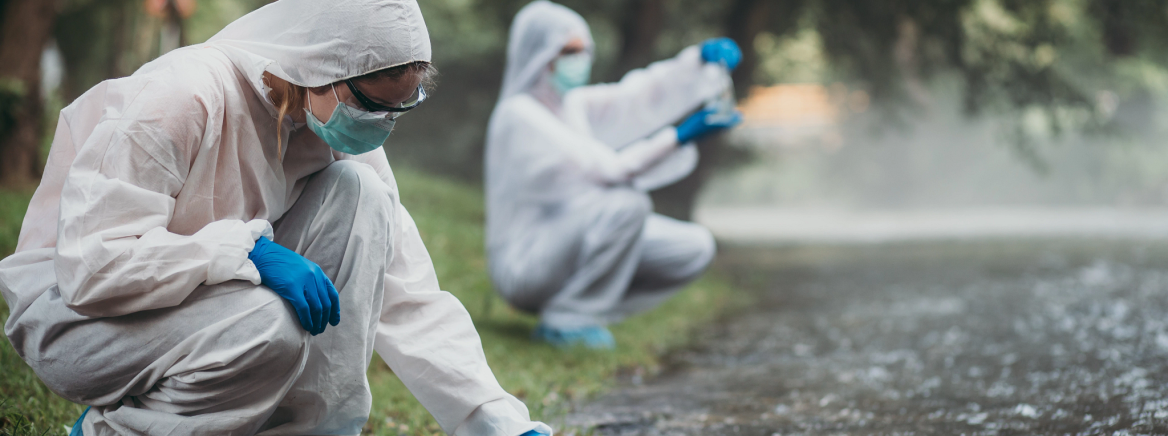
(450, 217)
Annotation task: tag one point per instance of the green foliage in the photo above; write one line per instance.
(1054, 56)
(11, 101)
(450, 216)
(12, 207)
(213, 15)
(15, 424)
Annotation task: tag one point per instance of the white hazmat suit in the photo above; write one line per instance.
(131, 289)
(570, 229)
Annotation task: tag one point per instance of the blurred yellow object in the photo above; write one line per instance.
(796, 115)
(789, 104)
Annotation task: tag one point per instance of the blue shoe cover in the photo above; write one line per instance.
(592, 337)
(76, 431)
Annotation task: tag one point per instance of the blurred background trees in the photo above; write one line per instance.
(27, 25)
(1055, 63)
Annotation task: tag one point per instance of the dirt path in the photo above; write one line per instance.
(943, 339)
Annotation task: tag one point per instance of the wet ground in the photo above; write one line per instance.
(991, 338)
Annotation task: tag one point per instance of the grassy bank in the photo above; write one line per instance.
(450, 217)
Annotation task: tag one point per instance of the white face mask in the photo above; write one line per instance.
(572, 71)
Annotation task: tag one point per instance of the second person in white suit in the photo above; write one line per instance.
(571, 233)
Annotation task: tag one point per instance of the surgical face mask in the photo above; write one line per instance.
(351, 130)
(572, 71)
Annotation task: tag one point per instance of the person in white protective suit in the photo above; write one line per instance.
(570, 229)
(201, 222)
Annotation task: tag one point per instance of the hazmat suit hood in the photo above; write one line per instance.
(314, 43)
(538, 34)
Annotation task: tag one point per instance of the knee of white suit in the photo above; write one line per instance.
(351, 186)
(350, 177)
(703, 248)
(268, 340)
(625, 208)
(679, 251)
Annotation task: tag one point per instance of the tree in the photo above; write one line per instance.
(640, 29)
(24, 29)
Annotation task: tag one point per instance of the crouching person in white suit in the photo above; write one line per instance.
(217, 245)
(571, 233)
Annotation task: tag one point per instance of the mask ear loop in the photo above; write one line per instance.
(308, 96)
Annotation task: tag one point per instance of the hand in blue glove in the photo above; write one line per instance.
(723, 50)
(301, 282)
(703, 123)
(533, 433)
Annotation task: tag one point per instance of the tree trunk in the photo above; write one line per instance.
(1118, 32)
(26, 28)
(746, 20)
(640, 30)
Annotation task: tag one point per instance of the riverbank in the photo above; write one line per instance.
(1034, 336)
(450, 217)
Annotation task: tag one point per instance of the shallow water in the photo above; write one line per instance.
(1027, 337)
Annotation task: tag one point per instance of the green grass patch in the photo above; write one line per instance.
(450, 216)
(12, 207)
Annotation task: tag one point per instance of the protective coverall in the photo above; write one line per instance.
(570, 229)
(131, 288)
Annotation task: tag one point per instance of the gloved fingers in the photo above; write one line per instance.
(335, 316)
(302, 312)
(723, 50)
(696, 120)
(733, 53)
(310, 296)
(258, 250)
(729, 122)
(326, 302)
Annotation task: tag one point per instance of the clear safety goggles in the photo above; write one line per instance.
(390, 111)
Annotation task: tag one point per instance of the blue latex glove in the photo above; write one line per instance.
(533, 433)
(702, 123)
(301, 282)
(723, 50)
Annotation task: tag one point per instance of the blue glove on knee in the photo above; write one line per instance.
(301, 282)
(701, 124)
(723, 50)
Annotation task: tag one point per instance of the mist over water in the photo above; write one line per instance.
(935, 157)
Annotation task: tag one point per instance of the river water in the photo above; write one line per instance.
(928, 338)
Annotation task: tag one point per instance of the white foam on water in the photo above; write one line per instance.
(762, 225)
